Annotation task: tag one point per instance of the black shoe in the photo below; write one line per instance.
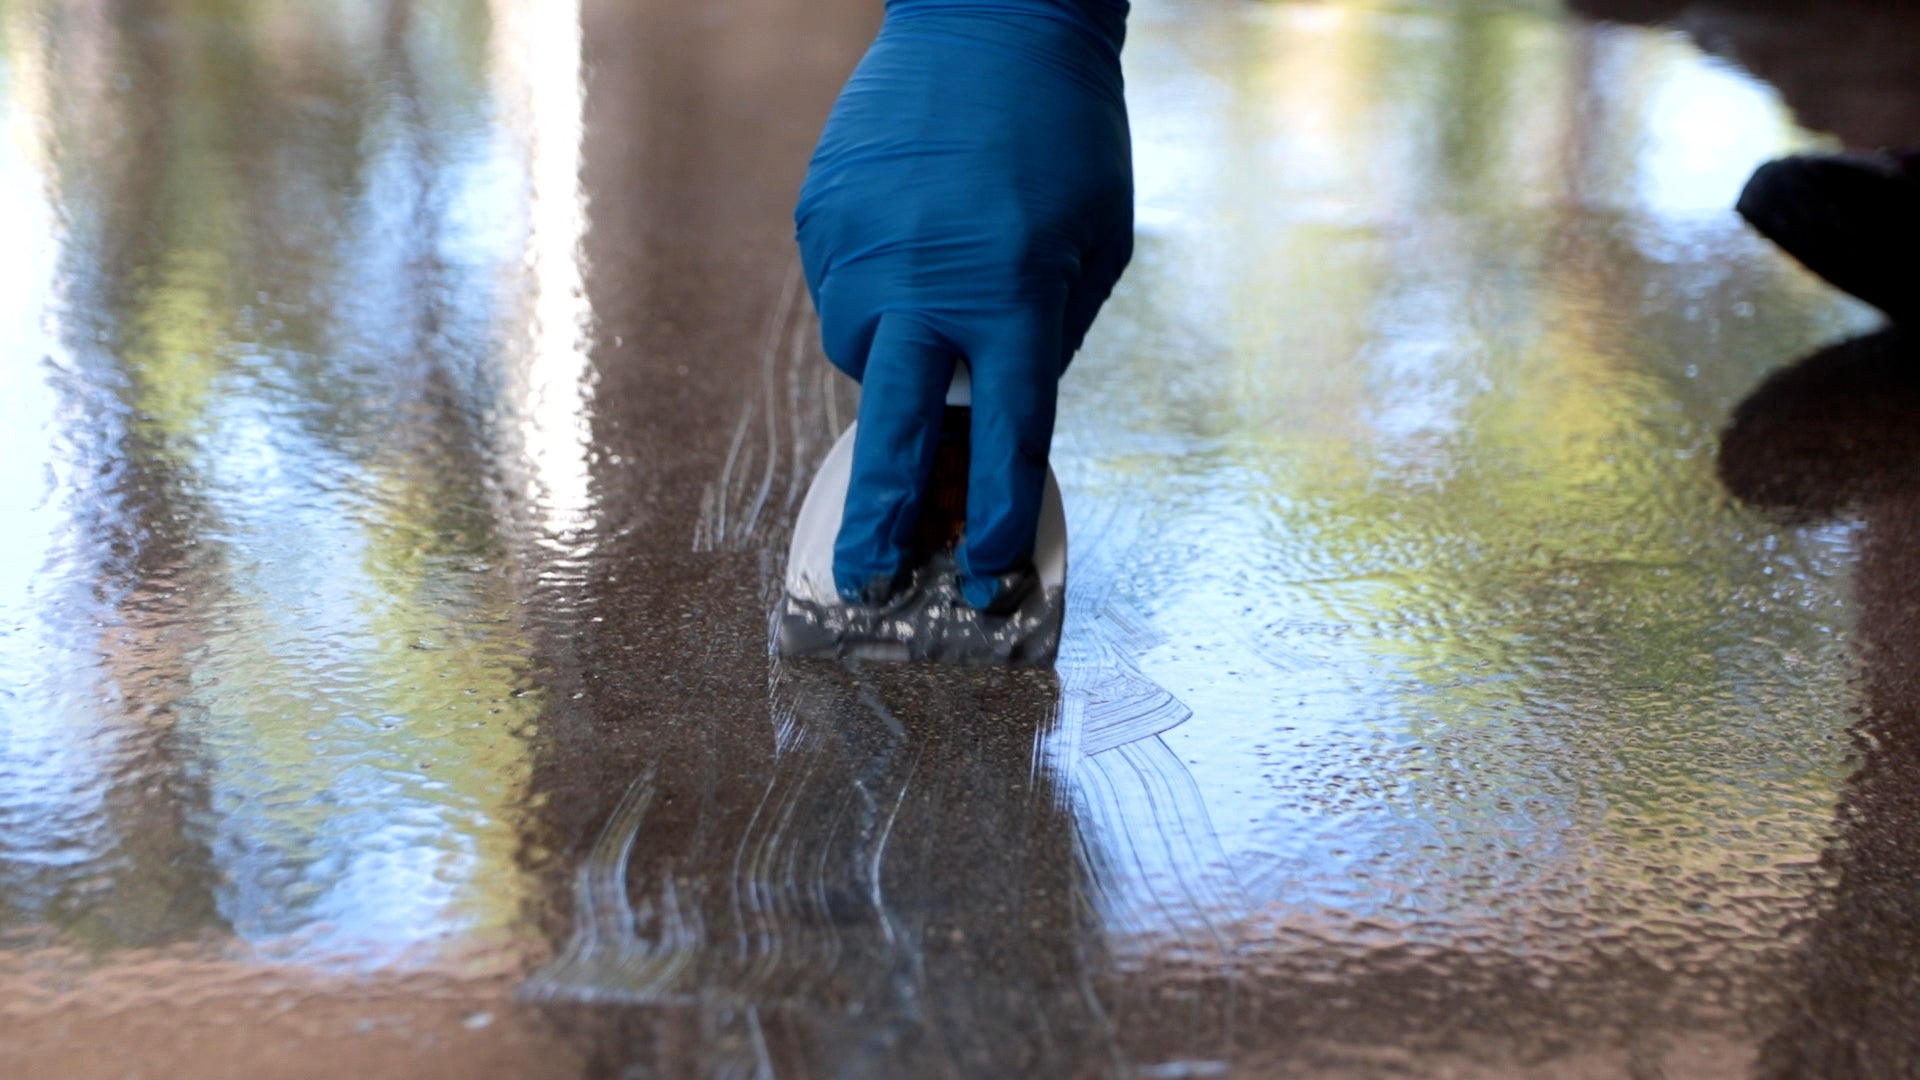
(1853, 219)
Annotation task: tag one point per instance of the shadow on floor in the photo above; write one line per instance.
(1838, 433)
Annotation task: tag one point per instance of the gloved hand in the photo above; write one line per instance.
(971, 198)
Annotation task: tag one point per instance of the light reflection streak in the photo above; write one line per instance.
(27, 404)
(537, 53)
(52, 750)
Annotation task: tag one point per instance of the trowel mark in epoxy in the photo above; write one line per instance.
(1150, 853)
(786, 424)
(606, 960)
(799, 865)
(1106, 701)
(1122, 709)
(1153, 855)
(805, 874)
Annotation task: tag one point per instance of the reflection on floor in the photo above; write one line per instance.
(1468, 672)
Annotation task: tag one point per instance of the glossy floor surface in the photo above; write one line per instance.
(1493, 649)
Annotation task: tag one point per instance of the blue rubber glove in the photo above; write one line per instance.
(971, 198)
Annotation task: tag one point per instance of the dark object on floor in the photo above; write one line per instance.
(1853, 219)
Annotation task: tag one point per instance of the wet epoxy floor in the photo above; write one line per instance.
(1493, 645)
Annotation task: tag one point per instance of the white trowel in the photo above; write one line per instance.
(929, 621)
